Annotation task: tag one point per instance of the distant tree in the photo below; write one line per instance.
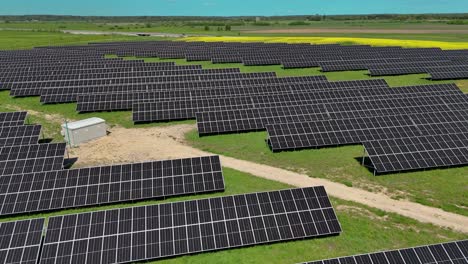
(7, 21)
(148, 25)
(227, 28)
(207, 28)
(220, 29)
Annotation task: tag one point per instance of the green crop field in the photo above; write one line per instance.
(365, 229)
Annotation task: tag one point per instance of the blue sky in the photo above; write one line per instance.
(227, 7)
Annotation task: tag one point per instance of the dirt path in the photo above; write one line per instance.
(357, 30)
(131, 145)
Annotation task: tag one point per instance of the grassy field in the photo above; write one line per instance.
(365, 229)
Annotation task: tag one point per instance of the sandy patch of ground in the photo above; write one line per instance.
(352, 30)
(132, 145)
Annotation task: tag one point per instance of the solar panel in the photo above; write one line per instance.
(455, 252)
(102, 74)
(12, 118)
(186, 109)
(125, 100)
(20, 241)
(357, 130)
(44, 191)
(66, 84)
(31, 158)
(19, 135)
(329, 104)
(172, 229)
(421, 152)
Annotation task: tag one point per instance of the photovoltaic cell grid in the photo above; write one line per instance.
(186, 109)
(20, 241)
(19, 135)
(44, 191)
(31, 158)
(328, 104)
(172, 229)
(422, 152)
(125, 100)
(12, 118)
(124, 73)
(357, 130)
(455, 252)
(65, 84)
(449, 75)
(71, 95)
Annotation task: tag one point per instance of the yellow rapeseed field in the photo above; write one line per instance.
(347, 40)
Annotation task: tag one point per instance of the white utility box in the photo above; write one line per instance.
(81, 131)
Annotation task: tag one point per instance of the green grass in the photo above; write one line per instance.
(364, 229)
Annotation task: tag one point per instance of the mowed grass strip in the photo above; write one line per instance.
(364, 229)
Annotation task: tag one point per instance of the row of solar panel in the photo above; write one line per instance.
(59, 189)
(52, 95)
(171, 229)
(157, 82)
(455, 252)
(63, 84)
(187, 109)
(125, 101)
(113, 74)
(174, 229)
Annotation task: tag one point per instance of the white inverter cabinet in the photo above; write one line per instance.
(84, 130)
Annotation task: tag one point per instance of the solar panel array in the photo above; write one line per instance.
(31, 158)
(455, 252)
(52, 190)
(402, 128)
(179, 228)
(20, 241)
(358, 130)
(19, 135)
(418, 152)
(228, 101)
(327, 104)
(12, 118)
